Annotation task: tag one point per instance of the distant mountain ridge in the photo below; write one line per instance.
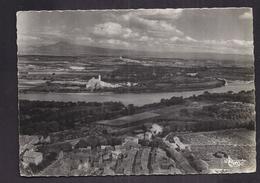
(63, 48)
(68, 49)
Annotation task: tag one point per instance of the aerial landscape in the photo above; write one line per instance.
(136, 92)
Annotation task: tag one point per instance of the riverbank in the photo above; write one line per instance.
(147, 87)
(137, 99)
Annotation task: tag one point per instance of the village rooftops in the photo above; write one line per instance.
(27, 142)
(125, 120)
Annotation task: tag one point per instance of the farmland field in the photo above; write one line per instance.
(237, 143)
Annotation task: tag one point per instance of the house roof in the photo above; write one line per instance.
(32, 154)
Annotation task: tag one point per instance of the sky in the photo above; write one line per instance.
(226, 30)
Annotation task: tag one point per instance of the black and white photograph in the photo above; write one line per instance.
(136, 92)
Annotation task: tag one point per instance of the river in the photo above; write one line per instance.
(133, 98)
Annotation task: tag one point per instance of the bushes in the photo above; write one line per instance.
(242, 96)
(43, 117)
(114, 141)
(81, 144)
(172, 101)
(158, 142)
(184, 112)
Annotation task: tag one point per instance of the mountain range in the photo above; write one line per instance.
(63, 48)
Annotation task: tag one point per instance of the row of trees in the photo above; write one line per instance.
(242, 96)
(233, 111)
(209, 126)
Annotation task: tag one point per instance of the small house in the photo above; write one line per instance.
(148, 136)
(116, 153)
(131, 139)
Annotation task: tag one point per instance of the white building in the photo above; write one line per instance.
(180, 144)
(32, 157)
(131, 142)
(131, 139)
(144, 136)
(193, 74)
(116, 153)
(45, 140)
(176, 144)
(156, 129)
(99, 84)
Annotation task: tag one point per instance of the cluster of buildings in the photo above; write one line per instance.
(28, 149)
(131, 157)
